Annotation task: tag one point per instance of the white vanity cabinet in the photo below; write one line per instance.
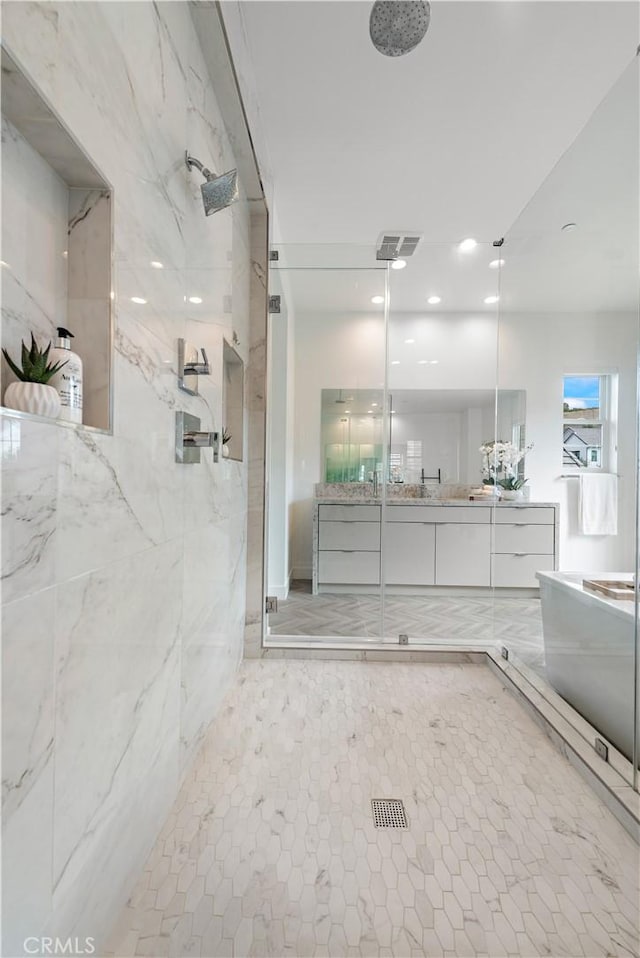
(429, 545)
(463, 553)
(524, 543)
(348, 545)
(409, 550)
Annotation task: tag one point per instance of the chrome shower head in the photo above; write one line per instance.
(219, 191)
(397, 26)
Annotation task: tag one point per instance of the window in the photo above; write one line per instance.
(588, 439)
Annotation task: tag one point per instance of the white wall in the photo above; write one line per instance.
(523, 351)
(536, 351)
(123, 571)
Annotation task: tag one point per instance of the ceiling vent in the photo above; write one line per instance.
(397, 244)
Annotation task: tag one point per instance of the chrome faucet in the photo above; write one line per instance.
(198, 369)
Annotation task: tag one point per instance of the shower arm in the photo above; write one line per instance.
(191, 162)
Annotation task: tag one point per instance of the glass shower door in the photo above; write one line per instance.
(326, 445)
(441, 379)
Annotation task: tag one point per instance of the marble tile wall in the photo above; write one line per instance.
(123, 572)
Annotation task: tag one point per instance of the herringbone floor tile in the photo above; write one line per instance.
(512, 622)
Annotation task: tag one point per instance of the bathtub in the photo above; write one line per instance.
(589, 652)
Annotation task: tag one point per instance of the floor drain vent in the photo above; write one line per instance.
(388, 813)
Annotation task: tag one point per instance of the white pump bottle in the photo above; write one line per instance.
(68, 380)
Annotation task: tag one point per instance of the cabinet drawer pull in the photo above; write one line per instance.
(520, 555)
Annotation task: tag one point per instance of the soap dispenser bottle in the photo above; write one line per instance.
(68, 380)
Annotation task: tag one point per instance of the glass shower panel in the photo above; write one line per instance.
(441, 385)
(568, 340)
(326, 444)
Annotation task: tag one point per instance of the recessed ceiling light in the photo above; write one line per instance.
(399, 264)
(392, 412)
(569, 226)
(374, 403)
(434, 300)
(467, 245)
(377, 300)
(138, 299)
(395, 362)
(157, 264)
(434, 362)
(195, 299)
(369, 410)
(4, 265)
(347, 410)
(490, 300)
(496, 263)
(409, 340)
(422, 362)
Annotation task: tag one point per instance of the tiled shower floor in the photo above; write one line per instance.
(445, 620)
(271, 850)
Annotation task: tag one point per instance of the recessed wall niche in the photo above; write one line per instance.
(56, 240)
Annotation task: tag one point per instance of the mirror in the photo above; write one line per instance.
(434, 434)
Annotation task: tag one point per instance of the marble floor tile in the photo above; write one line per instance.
(271, 850)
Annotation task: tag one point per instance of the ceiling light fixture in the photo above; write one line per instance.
(195, 299)
(496, 263)
(467, 245)
(434, 300)
(408, 341)
(422, 362)
(377, 300)
(490, 300)
(395, 362)
(399, 264)
(139, 300)
(157, 264)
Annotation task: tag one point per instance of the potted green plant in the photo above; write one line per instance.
(511, 487)
(32, 393)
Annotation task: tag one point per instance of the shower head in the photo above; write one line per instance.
(218, 192)
(397, 26)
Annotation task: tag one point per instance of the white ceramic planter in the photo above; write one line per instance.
(511, 494)
(225, 451)
(35, 398)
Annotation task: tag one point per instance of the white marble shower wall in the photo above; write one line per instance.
(124, 572)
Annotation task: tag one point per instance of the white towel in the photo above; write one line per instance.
(598, 507)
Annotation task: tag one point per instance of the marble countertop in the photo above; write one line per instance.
(369, 501)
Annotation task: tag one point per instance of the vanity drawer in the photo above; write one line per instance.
(363, 536)
(349, 513)
(519, 572)
(527, 514)
(524, 538)
(349, 568)
(458, 514)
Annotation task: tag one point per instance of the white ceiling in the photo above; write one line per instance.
(452, 139)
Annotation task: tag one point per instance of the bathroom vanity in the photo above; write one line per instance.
(422, 545)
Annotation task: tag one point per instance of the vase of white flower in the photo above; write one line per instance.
(500, 468)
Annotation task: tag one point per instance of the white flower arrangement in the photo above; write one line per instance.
(499, 462)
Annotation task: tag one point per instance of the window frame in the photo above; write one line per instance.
(607, 420)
